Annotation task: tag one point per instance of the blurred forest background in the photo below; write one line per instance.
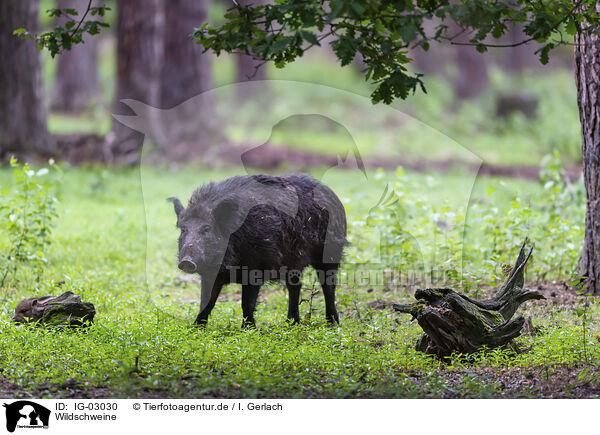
(503, 105)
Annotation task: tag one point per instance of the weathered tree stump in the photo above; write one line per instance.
(64, 310)
(457, 323)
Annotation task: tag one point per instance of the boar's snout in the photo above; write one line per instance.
(187, 265)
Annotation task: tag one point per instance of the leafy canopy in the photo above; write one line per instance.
(62, 37)
(383, 31)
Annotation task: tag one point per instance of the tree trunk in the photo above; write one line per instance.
(247, 67)
(76, 84)
(435, 60)
(186, 75)
(471, 76)
(251, 69)
(517, 59)
(22, 112)
(186, 71)
(140, 27)
(587, 76)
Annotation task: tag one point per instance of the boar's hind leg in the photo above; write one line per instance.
(293, 301)
(202, 318)
(249, 296)
(328, 278)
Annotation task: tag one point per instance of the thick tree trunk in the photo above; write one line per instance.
(587, 76)
(471, 76)
(249, 68)
(186, 74)
(22, 112)
(517, 59)
(76, 84)
(140, 29)
(186, 71)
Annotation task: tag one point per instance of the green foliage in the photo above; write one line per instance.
(27, 214)
(552, 219)
(397, 206)
(63, 37)
(469, 246)
(382, 32)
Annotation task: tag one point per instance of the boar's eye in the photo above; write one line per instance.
(204, 229)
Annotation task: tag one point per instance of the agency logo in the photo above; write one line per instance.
(25, 414)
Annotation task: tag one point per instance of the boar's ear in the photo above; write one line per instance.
(177, 203)
(225, 215)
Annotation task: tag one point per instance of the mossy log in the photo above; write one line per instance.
(457, 323)
(64, 310)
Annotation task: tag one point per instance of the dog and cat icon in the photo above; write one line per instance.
(26, 414)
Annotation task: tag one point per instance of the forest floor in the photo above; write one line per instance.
(556, 382)
(115, 245)
(577, 380)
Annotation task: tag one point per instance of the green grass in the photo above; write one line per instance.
(115, 245)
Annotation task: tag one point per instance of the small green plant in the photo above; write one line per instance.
(27, 213)
(582, 311)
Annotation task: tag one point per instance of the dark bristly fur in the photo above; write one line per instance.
(262, 223)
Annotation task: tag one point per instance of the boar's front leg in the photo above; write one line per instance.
(249, 296)
(215, 284)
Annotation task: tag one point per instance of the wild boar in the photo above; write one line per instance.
(258, 228)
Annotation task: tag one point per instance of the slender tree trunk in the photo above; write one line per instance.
(22, 113)
(76, 84)
(587, 76)
(140, 27)
(250, 69)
